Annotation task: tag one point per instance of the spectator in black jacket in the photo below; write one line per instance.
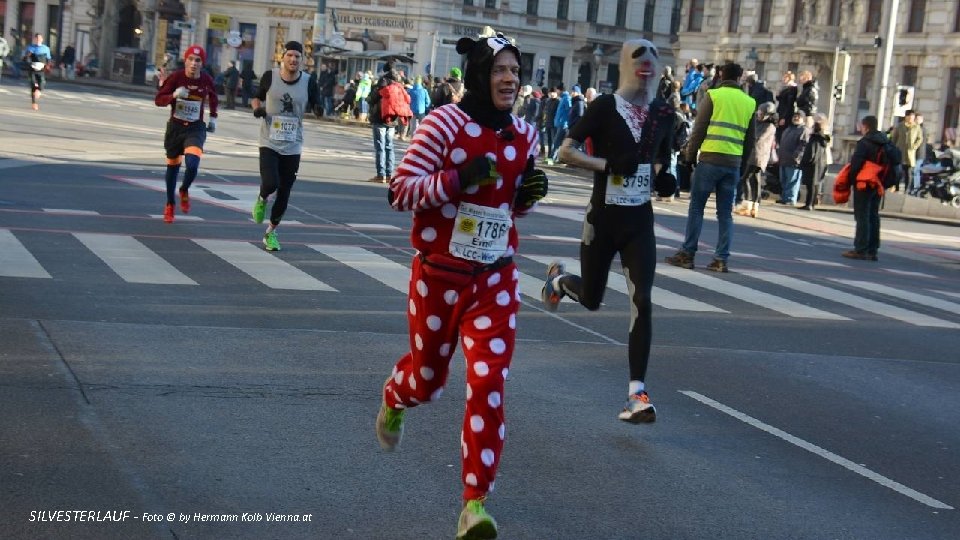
(786, 102)
(808, 94)
(866, 202)
(813, 164)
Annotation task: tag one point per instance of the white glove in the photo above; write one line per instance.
(181, 93)
(212, 125)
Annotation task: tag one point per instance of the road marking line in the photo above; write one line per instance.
(907, 273)
(71, 212)
(921, 299)
(392, 274)
(131, 260)
(825, 454)
(852, 300)
(661, 297)
(782, 239)
(16, 260)
(556, 238)
(746, 294)
(372, 226)
(820, 262)
(948, 293)
(263, 267)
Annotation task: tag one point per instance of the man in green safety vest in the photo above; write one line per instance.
(721, 132)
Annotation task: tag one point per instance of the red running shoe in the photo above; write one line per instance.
(168, 213)
(184, 201)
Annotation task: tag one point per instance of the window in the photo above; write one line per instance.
(795, 68)
(696, 16)
(593, 6)
(532, 7)
(563, 6)
(468, 2)
(490, 4)
(766, 6)
(956, 17)
(833, 18)
(734, 23)
(909, 76)
(761, 69)
(918, 10)
(951, 110)
(874, 10)
(864, 91)
(622, 12)
(555, 75)
(675, 18)
(526, 67)
(648, 11)
(797, 21)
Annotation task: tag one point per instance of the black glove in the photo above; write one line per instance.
(665, 183)
(479, 172)
(260, 112)
(533, 188)
(624, 164)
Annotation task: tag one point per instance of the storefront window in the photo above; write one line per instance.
(25, 24)
(215, 39)
(248, 33)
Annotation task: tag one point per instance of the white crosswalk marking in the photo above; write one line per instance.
(16, 261)
(661, 297)
(916, 298)
(821, 263)
(852, 300)
(393, 275)
(746, 294)
(948, 293)
(131, 260)
(263, 267)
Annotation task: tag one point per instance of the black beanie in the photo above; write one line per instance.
(293, 46)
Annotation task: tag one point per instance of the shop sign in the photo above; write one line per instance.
(364, 20)
(217, 21)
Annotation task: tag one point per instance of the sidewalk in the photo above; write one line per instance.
(895, 205)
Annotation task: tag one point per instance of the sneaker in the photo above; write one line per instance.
(718, 265)
(168, 213)
(184, 201)
(389, 427)
(475, 523)
(35, 106)
(259, 209)
(376, 179)
(550, 295)
(270, 241)
(682, 259)
(639, 410)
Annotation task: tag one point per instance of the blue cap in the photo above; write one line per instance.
(576, 88)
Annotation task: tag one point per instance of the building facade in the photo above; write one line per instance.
(573, 42)
(772, 37)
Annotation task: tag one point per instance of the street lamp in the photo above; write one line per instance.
(597, 57)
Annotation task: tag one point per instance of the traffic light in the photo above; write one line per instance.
(838, 92)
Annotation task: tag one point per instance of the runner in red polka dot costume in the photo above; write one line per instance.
(467, 174)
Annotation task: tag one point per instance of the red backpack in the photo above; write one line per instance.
(395, 103)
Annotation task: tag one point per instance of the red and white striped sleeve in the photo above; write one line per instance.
(421, 182)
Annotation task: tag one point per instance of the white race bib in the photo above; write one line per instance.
(37, 66)
(188, 111)
(284, 128)
(629, 190)
(480, 233)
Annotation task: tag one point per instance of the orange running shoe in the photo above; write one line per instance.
(184, 201)
(168, 213)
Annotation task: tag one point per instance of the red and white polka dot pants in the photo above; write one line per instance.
(482, 310)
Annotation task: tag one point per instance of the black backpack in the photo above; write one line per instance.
(890, 160)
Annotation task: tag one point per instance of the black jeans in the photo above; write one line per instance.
(277, 174)
(866, 211)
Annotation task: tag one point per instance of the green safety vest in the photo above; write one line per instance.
(732, 111)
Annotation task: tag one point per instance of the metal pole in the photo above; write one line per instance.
(833, 84)
(885, 56)
(63, 4)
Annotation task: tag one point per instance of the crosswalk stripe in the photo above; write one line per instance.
(16, 261)
(746, 294)
(392, 274)
(948, 293)
(661, 297)
(263, 266)
(916, 298)
(131, 260)
(852, 300)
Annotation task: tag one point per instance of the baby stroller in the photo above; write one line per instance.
(941, 179)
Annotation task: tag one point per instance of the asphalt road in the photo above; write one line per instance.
(179, 371)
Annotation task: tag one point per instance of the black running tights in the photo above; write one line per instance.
(277, 174)
(627, 230)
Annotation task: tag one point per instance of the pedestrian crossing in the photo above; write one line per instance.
(747, 292)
